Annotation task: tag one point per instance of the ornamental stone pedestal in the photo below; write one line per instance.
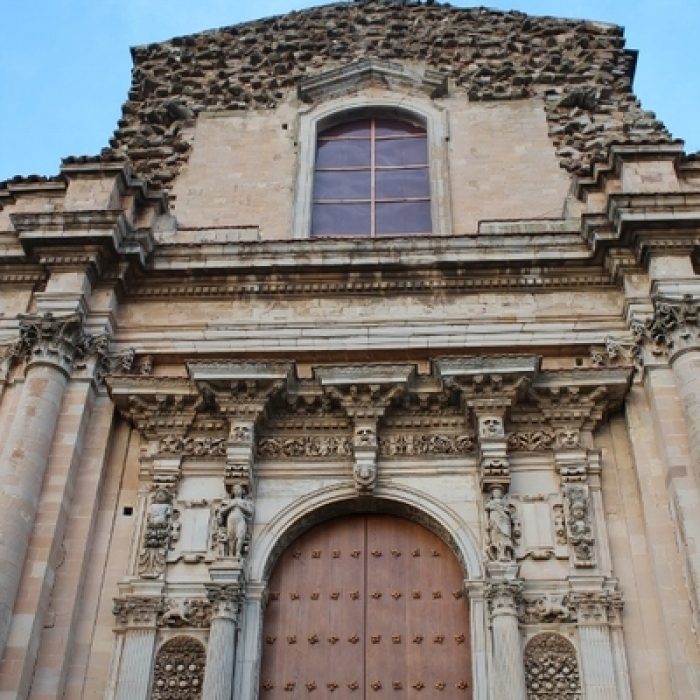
(225, 596)
(50, 344)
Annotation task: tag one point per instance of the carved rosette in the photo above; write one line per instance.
(178, 673)
(551, 668)
(137, 611)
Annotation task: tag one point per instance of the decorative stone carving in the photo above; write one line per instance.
(502, 527)
(365, 467)
(137, 611)
(616, 352)
(193, 446)
(57, 340)
(675, 321)
(307, 446)
(549, 607)
(491, 427)
(578, 526)
(551, 668)
(232, 518)
(157, 535)
(504, 595)
(409, 445)
(531, 440)
(225, 598)
(597, 607)
(185, 612)
(178, 673)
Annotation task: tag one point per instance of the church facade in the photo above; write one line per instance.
(363, 363)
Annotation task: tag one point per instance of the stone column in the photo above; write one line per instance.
(50, 344)
(138, 616)
(221, 652)
(597, 659)
(508, 672)
(686, 368)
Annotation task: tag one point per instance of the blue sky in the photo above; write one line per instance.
(65, 64)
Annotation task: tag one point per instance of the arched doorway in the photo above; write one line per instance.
(366, 606)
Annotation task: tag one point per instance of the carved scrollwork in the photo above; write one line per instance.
(674, 320)
(193, 446)
(551, 668)
(178, 672)
(428, 444)
(307, 446)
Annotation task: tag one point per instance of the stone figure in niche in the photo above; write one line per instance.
(501, 527)
(232, 522)
(157, 535)
(580, 532)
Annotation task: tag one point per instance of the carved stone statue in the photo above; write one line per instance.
(232, 522)
(500, 530)
(157, 535)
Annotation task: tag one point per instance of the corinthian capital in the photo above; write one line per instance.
(49, 339)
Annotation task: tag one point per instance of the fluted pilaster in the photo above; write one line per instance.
(136, 665)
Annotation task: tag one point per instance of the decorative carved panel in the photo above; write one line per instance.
(178, 673)
(551, 668)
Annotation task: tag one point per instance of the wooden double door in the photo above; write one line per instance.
(366, 606)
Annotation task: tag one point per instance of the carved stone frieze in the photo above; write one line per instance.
(185, 612)
(137, 611)
(193, 445)
(408, 444)
(306, 446)
(616, 352)
(551, 668)
(178, 672)
(548, 607)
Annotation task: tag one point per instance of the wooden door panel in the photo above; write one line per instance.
(366, 607)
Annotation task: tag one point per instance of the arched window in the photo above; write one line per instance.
(371, 178)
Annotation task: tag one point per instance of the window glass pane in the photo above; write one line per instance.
(340, 219)
(335, 154)
(402, 183)
(402, 152)
(356, 129)
(342, 184)
(403, 217)
(395, 127)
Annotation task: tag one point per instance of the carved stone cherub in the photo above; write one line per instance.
(501, 527)
(232, 522)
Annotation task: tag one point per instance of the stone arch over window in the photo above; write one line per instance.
(551, 668)
(420, 119)
(178, 673)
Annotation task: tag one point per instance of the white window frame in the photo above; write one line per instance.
(407, 107)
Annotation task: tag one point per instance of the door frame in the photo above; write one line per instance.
(324, 504)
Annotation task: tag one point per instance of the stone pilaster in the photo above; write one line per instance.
(597, 657)
(507, 670)
(50, 345)
(221, 652)
(137, 617)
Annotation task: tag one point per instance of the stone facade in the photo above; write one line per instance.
(190, 381)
